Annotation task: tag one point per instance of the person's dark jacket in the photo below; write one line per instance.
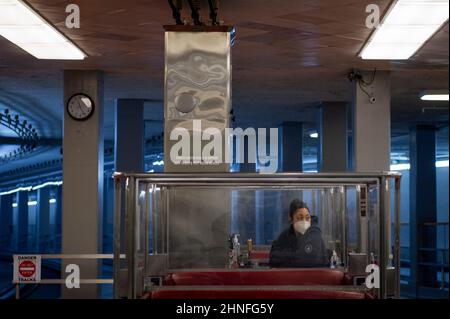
(295, 250)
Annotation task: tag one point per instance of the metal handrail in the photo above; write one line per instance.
(62, 281)
(277, 176)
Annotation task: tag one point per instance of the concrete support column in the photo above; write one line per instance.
(22, 222)
(372, 124)
(129, 149)
(371, 134)
(422, 194)
(290, 135)
(43, 220)
(6, 222)
(333, 137)
(83, 180)
(129, 135)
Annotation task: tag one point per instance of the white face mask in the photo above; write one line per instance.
(302, 226)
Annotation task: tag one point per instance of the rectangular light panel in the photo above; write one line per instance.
(434, 97)
(405, 28)
(24, 27)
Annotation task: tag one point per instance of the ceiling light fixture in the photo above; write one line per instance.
(434, 97)
(406, 27)
(21, 25)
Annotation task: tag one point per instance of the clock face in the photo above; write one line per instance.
(80, 107)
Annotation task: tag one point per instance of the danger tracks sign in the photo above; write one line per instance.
(27, 268)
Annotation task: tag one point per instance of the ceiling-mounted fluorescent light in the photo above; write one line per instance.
(25, 28)
(434, 97)
(429, 96)
(406, 27)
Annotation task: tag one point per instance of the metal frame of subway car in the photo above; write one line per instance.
(127, 188)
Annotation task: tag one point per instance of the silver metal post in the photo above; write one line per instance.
(167, 220)
(359, 234)
(117, 235)
(343, 212)
(384, 239)
(154, 222)
(130, 220)
(397, 236)
(146, 230)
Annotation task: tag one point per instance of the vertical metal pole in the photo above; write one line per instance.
(397, 236)
(380, 238)
(17, 291)
(323, 216)
(146, 230)
(135, 237)
(383, 240)
(163, 219)
(117, 235)
(130, 220)
(154, 221)
(343, 212)
(167, 221)
(359, 245)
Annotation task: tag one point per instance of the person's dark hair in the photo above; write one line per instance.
(295, 205)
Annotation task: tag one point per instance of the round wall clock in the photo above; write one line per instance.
(80, 107)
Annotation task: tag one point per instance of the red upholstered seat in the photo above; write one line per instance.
(272, 277)
(260, 254)
(255, 294)
(256, 284)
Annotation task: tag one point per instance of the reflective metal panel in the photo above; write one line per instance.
(197, 87)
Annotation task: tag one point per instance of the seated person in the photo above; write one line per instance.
(301, 245)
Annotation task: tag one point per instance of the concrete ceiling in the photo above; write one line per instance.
(288, 56)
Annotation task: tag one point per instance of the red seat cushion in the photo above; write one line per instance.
(272, 277)
(255, 294)
(260, 254)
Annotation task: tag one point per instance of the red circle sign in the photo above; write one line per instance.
(27, 268)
